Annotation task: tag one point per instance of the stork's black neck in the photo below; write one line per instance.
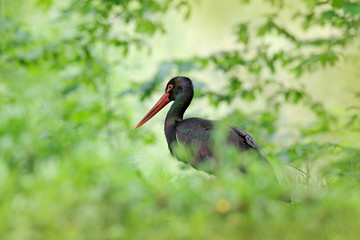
(177, 110)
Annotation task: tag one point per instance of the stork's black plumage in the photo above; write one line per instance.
(196, 132)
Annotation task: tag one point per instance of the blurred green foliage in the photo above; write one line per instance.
(71, 167)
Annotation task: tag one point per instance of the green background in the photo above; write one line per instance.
(77, 76)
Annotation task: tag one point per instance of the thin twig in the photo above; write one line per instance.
(107, 93)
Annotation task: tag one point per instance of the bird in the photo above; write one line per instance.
(196, 132)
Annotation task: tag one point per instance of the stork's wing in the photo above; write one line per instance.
(196, 132)
(199, 131)
(194, 129)
(243, 141)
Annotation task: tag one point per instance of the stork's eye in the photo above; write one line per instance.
(169, 88)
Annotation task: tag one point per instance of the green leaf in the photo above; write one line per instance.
(351, 8)
(242, 33)
(45, 4)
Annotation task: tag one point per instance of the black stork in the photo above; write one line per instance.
(194, 131)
